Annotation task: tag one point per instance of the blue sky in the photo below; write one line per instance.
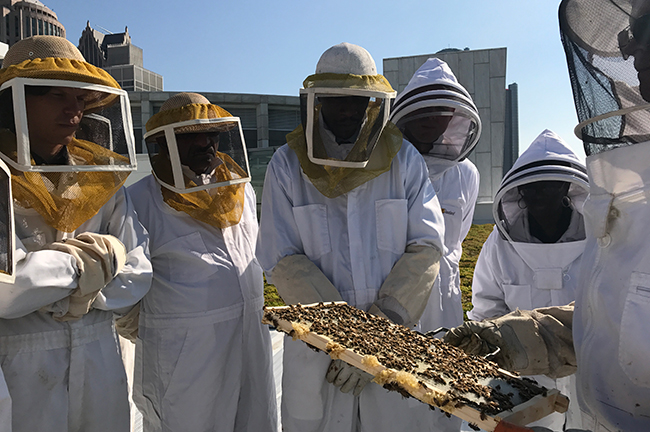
(269, 47)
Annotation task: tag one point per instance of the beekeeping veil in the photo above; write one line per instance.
(605, 84)
(7, 264)
(433, 94)
(548, 158)
(91, 167)
(337, 164)
(216, 196)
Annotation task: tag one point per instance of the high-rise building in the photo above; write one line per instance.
(25, 18)
(115, 53)
(483, 74)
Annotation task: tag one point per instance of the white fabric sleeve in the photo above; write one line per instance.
(42, 278)
(488, 297)
(405, 292)
(277, 224)
(426, 224)
(471, 182)
(133, 282)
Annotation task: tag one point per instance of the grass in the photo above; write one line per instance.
(471, 248)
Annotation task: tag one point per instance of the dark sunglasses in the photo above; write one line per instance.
(639, 31)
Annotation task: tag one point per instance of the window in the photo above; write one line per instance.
(281, 122)
(248, 119)
(34, 28)
(40, 27)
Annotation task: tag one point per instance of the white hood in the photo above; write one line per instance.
(433, 71)
(433, 88)
(548, 158)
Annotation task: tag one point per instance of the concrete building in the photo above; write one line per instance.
(483, 74)
(3, 50)
(115, 53)
(25, 18)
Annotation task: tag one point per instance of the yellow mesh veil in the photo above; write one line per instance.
(221, 206)
(335, 181)
(348, 81)
(66, 200)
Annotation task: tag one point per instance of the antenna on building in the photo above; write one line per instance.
(105, 30)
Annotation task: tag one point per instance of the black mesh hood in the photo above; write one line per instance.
(603, 82)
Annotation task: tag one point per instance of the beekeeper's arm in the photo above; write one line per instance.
(406, 290)
(488, 297)
(134, 280)
(280, 251)
(42, 277)
(115, 269)
(470, 181)
(537, 342)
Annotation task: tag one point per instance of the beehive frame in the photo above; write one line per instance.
(408, 383)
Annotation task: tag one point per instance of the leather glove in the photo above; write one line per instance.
(480, 338)
(538, 342)
(127, 325)
(100, 257)
(347, 377)
(405, 292)
(299, 280)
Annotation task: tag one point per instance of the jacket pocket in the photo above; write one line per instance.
(634, 344)
(314, 231)
(518, 296)
(392, 224)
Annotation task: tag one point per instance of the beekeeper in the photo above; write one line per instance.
(609, 323)
(437, 115)
(532, 257)
(348, 213)
(204, 354)
(81, 254)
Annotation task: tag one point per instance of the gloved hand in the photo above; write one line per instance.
(347, 377)
(538, 342)
(127, 324)
(481, 337)
(100, 257)
(299, 280)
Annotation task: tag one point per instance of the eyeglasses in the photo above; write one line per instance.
(639, 31)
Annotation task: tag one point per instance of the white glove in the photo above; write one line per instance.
(100, 257)
(299, 280)
(406, 290)
(538, 342)
(347, 377)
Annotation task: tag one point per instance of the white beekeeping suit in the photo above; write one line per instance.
(81, 254)
(204, 356)
(367, 229)
(515, 270)
(437, 115)
(605, 333)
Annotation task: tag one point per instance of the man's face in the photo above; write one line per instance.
(637, 44)
(198, 150)
(344, 115)
(53, 118)
(425, 131)
(544, 197)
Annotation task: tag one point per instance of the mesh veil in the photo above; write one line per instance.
(603, 82)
